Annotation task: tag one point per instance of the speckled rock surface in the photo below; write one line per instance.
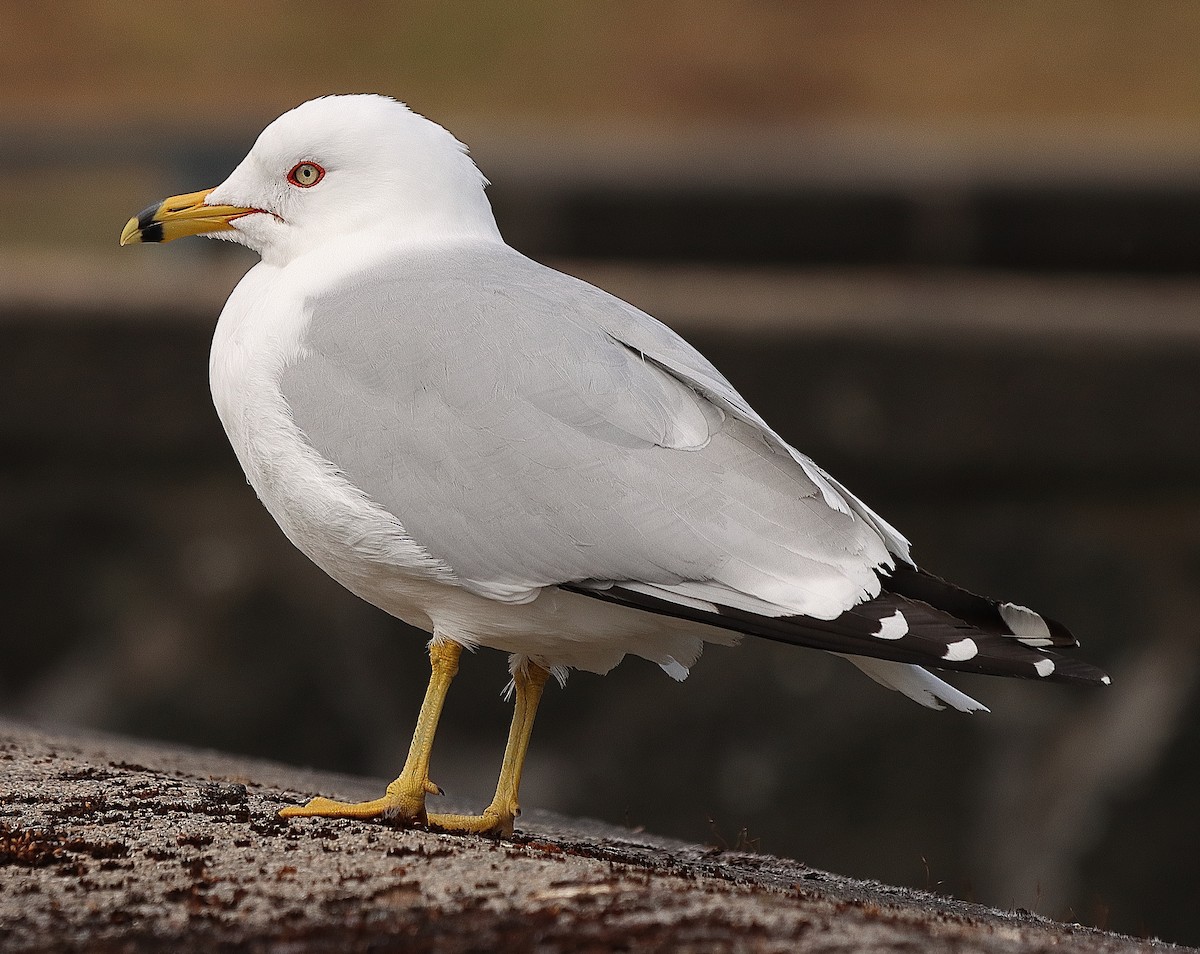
(112, 845)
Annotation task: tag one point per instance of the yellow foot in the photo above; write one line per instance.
(493, 822)
(403, 802)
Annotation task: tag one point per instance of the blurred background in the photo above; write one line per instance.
(950, 249)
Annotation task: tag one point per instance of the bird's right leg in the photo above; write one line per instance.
(405, 797)
(497, 819)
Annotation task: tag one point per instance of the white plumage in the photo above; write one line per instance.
(506, 456)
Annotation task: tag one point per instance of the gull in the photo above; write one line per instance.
(505, 456)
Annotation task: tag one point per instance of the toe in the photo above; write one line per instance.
(327, 808)
(490, 824)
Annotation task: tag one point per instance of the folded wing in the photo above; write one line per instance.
(604, 454)
(487, 390)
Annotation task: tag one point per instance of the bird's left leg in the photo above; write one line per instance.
(497, 819)
(405, 797)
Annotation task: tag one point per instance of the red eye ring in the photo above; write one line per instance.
(306, 174)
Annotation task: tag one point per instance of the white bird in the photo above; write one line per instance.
(506, 456)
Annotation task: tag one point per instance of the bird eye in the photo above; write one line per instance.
(305, 175)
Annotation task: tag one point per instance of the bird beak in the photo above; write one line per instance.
(178, 216)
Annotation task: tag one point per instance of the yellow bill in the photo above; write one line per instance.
(178, 216)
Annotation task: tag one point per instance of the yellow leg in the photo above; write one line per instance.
(405, 797)
(498, 817)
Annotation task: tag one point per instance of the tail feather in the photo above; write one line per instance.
(917, 620)
(920, 686)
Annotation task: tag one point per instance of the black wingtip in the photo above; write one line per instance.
(923, 635)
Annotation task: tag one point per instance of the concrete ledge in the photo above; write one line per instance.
(112, 845)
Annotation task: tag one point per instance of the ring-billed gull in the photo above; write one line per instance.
(505, 456)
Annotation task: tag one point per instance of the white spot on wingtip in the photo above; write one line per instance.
(892, 627)
(1026, 625)
(1044, 667)
(1106, 680)
(961, 651)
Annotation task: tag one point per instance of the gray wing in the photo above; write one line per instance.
(529, 429)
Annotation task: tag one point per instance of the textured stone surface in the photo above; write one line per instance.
(111, 845)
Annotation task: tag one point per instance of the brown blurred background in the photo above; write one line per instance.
(951, 249)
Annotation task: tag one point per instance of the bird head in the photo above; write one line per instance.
(360, 165)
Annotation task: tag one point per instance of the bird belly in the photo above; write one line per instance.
(356, 542)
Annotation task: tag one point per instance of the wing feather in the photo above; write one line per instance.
(481, 389)
(605, 455)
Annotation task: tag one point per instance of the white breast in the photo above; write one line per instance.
(351, 538)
